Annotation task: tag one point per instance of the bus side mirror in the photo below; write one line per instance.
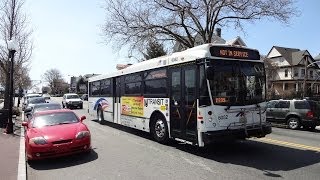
(210, 72)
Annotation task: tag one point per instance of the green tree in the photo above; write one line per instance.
(154, 50)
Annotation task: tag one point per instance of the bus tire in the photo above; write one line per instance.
(100, 116)
(159, 129)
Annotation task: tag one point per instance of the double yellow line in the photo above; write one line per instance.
(289, 144)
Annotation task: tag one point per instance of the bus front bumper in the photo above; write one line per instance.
(229, 134)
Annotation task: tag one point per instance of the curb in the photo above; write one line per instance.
(22, 168)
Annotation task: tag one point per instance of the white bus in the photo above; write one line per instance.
(204, 94)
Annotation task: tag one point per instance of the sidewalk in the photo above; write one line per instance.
(10, 152)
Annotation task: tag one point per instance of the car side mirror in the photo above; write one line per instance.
(27, 110)
(83, 118)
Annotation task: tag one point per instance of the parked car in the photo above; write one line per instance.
(33, 100)
(294, 113)
(30, 110)
(46, 96)
(56, 133)
(27, 97)
(84, 97)
(71, 100)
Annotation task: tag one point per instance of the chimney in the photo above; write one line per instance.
(218, 32)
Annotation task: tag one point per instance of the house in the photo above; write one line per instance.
(79, 84)
(288, 69)
(216, 38)
(317, 58)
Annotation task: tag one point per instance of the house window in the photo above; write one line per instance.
(286, 73)
(295, 72)
(286, 86)
(302, 73)
(311, 74)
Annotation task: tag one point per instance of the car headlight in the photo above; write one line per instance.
(82, 134)
(38, 140)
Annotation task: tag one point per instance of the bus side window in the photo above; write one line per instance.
(204, 99)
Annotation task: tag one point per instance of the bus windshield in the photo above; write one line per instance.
(236, 83)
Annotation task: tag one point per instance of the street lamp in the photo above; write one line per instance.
(12, 47)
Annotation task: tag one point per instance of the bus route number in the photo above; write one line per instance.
(221, 100)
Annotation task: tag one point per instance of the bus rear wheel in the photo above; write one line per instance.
(100, 116)
(159, 129)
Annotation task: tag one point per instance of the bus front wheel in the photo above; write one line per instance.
(100, 115)
(159, 129)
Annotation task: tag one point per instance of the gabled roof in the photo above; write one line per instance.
(297, 57)
(286, 52)
(236, 41)
(292, 55)
(317, 58)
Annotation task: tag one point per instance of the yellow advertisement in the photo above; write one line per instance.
(132, 106)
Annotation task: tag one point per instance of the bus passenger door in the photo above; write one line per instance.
(183, 105)
(117, 98)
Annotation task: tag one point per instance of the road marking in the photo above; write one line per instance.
(22, 169)
(294, 145)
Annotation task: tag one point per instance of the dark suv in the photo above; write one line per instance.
(295, 113)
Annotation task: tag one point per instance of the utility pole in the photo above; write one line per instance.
(305, 75)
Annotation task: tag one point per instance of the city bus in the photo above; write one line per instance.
(198, 96)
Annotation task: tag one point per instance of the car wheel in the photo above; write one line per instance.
(293, 123)
(81, 107)
(159, 129)
(100, 116)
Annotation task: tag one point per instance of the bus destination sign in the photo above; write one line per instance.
(234, 52)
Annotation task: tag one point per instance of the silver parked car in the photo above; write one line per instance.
(294, 113)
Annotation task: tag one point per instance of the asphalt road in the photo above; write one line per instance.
(124, 153)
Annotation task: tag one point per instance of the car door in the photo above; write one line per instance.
(270, 108)
(281, 110)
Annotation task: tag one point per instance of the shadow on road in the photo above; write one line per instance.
(284, 126)
(127, 129)
(263, 156)
(63, 162)
(259, 155)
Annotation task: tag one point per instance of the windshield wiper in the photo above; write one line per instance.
(64, 123)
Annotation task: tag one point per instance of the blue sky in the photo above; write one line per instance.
(67, 36)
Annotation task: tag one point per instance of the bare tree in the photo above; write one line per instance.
(14, 24)
(55, 80)
(271, 75)
(135, 22)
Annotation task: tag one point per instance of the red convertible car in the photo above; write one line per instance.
(56, 133)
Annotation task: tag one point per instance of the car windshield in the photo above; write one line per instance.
(237, 82)
(37, 100)
(46, 107)
(72, 96)
(53, 119)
